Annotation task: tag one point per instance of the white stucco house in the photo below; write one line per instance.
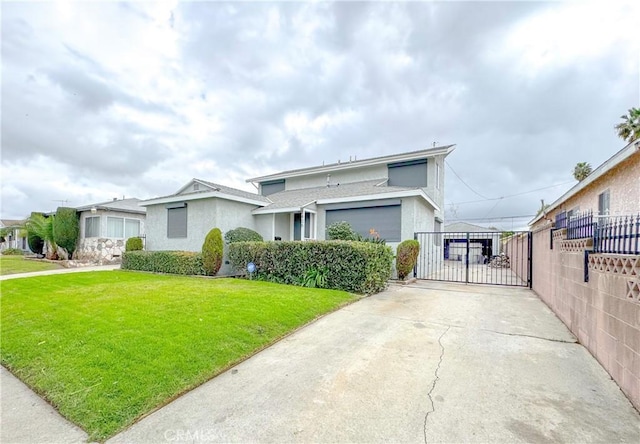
(15, 236)
(393, 196)
(106, 226)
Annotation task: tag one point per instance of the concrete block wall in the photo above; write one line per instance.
(604, 313)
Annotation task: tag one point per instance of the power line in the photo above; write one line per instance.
(510, 195)
(465, 183)
(491, 218)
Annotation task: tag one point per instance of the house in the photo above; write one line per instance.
(14, 237)
(390, 196)
(105, 227)
(612, 189)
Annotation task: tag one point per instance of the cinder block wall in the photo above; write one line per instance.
(603, 313)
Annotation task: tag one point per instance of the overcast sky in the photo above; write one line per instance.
(109, 99)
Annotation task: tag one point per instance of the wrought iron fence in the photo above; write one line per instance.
(561, 220)
(618, 235)
(580, 226)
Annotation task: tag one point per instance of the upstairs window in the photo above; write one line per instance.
(408, 174)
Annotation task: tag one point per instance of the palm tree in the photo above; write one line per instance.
(629, 128)
(581, 171)
(42, 227)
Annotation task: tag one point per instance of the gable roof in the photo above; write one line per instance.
(402, 157)
(291, 200)
(211, 190)
(130, 205)
(622, 155)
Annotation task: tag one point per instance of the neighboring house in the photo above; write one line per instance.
(15, 237)
(483, 242)
(612, 189)
(390, 196)
(105, 227)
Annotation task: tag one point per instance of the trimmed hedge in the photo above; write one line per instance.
(407, 257)
(242, 234)
(173, 262)
(133, 244)
(357, 267)
(212, 252)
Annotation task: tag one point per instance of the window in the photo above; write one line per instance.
(131, 228)
(412, 173)
(120, 227)
(575, 211)
(115, 227)
(196, 187)
(92, 226)
(603, 203)
(177, 221)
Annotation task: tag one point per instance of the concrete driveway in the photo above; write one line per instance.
(426, 363)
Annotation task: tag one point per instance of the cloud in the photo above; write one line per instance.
(141, 97)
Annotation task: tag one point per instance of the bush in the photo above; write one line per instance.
(133, 244)
(66, 229)
(406, 257)
(173, 262)
(12, 252)
(341, 231)
(242, 234)
(356, 267)
(212, 252)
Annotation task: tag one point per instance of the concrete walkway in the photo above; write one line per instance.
(60, 271)
(422, 363)
(426, 363)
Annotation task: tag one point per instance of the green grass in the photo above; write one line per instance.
(107, 347)
(18, 264)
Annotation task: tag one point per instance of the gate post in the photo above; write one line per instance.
(466, 280)
(530, 258)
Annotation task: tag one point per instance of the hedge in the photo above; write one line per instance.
(173, 262)
(407, 257)
(242, 234)
(133, 244)
(356, 267)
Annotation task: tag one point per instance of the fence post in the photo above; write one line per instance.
(466, 280)
(415, 266)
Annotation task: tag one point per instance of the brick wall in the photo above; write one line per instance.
(603, 313)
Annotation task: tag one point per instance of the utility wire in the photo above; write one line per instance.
(510, 195)
(491, 218)
(465, 183)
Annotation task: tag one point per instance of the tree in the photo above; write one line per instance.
(581, 171)
(40, 230)
(629, 128)
(212, 252)
(66, 229)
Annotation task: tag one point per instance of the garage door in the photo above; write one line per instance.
(383, 219)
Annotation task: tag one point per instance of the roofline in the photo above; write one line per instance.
(105, 208)
(596, 174)
(203, 195)
(396, 194)
(437, 151)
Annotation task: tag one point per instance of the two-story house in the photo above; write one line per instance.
(391, 197)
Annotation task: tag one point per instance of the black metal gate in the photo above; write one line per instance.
(492, 257)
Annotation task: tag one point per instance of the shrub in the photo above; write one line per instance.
(173, 262)
(357, 267)
(12, 252)
(212, 252)
(341, 231)
(406, 257)
(133, 244)
(242, 234)
(66, 229)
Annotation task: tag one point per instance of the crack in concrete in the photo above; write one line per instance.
(433, 384)
(530, 336)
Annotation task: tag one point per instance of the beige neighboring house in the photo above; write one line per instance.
(612, 189)
(14, 238)
(106, 226)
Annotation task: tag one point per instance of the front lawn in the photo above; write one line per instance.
(18, 264)
(107, 347)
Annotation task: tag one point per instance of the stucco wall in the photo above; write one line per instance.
(603, 313)
(623, 183)
(347, 176)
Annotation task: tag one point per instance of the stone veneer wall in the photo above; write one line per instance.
(101, 250)
(603, 313)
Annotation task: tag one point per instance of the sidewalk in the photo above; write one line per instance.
(61, 271)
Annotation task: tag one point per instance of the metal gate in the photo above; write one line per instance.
(493, 257)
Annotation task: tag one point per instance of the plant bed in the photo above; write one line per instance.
(105, 348)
